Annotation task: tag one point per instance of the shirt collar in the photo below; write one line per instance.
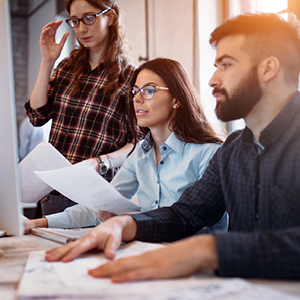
(96, 70)
(147, 143)
(172, 142)
(276, 128)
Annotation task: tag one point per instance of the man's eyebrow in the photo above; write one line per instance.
(220, 59)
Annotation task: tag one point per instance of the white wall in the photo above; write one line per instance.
(170, 29)
(35, 24)
(210, 16)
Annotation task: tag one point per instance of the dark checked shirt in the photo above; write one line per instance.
(88, 124)
(259, 185)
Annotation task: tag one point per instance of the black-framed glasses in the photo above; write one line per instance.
(87, 20)
(147, 92)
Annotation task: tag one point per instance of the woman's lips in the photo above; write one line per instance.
(86, 39)
(140, 112)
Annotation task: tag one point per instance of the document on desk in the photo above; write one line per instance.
(57, 280)
(45, 169)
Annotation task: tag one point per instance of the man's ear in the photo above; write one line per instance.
(268, 69)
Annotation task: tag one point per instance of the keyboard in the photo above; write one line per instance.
(59, 235)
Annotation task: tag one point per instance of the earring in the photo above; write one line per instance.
(175, 106)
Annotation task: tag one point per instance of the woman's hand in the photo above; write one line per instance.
(49, 48)
(104, 215)
(28, 224)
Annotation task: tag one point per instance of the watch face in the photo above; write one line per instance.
(103, 169)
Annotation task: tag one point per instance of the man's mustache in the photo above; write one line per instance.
(219, 91)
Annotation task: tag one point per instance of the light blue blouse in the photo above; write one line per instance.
(155, 185)
(161, 185)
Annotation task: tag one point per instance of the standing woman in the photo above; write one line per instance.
(85, 95)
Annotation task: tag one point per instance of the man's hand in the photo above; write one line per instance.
(106, 236)
(180, 259)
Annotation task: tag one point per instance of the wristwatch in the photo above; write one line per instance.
(103, 167)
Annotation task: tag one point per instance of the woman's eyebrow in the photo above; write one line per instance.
(148, 83)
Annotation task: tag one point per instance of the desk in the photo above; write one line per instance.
(14, 252)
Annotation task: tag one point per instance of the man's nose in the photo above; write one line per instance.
(214, 81)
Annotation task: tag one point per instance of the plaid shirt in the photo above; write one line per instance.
(259, 186)
(89, 124)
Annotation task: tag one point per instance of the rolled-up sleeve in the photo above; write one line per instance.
(73, 217)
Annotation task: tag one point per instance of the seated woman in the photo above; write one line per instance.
(177, 146)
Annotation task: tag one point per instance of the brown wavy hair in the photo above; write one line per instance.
(189, 123)
(114, 57)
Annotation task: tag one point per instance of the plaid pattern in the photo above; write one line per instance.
(259, 187)
(89, 124)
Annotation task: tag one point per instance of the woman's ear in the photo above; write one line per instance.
(176, 103)
(111, 15)
(268, 69)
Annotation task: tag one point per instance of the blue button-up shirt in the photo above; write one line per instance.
(162, 184)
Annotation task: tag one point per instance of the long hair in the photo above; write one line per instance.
(114, 56)
(189, 123)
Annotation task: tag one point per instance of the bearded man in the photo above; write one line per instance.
(254, 175)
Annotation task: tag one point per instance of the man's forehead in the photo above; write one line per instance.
(231, 46)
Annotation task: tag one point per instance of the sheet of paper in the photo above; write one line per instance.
(43, 157)
(58, 280)
(81, 183)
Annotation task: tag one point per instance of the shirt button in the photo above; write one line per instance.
(156, 202)
(164, 148)
(157, 181)
(257, 216)
(162, 162)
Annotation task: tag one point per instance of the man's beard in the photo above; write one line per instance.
(242, 100)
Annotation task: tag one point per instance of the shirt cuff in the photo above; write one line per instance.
(58, 220)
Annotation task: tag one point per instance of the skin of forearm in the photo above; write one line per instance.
(117, 157)
(129, 227)
(38, 96)
(201, 251)
(42, 222)
(114, 159)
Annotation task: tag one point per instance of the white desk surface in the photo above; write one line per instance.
(14, 252)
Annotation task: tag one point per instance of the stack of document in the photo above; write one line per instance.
(45, 169)
(57, 280)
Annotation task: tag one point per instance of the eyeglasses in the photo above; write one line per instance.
(147, 92)
(87, 20)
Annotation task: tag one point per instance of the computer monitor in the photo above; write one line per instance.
(10, 195)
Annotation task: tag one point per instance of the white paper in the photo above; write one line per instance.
(59, 280)
(81, 183)
(43, 157)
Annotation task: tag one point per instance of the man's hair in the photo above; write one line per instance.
(268, 34)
